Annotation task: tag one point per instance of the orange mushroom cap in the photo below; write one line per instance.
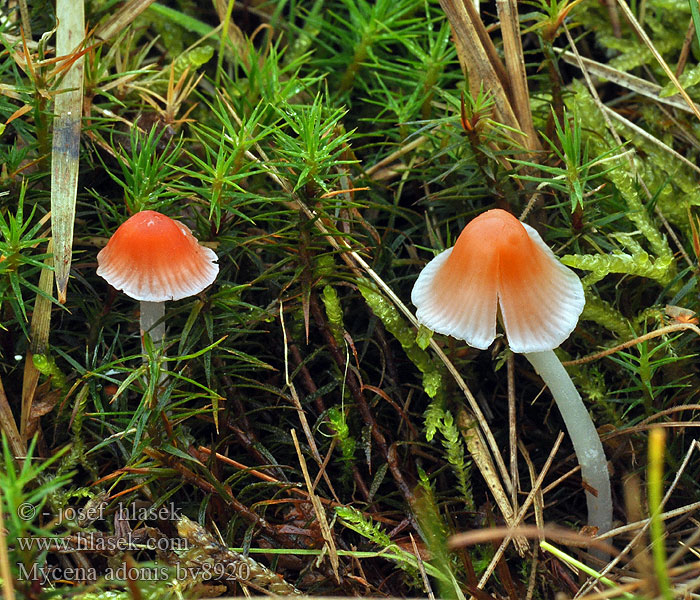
(499, 262)
(153, 258)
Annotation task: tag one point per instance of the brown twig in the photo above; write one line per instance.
(638, 340)
(685, 49)
(9, 426)
(521, 513)
(356, 390)
(221, 491)
(318, 510)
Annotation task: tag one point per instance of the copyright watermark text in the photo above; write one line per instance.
(129, 512)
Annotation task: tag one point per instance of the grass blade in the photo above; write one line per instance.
(66, 139)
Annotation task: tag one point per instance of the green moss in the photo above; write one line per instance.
(334, 312)
(601, 265)
(604, 314)
(46, 365)
(387, 313)
(659, 264)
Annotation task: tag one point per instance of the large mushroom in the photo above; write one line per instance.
(153, 258)
(500, 263)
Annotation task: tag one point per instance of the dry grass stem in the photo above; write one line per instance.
(638, 340)
(654, 140)
(300, 409)
(521, 513)
(467, 426)
(318, 511)
(671, 514)
(482, 65)
(122, 19)
(421, 567)
(625, 80)
(538, 506)
(39, 333)
(538, 503)
(650, 45)
(515, 66)
(563, 477)
(549, 532)
(394, 156)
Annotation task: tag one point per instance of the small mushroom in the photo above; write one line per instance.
(500, 263)
(153, 258)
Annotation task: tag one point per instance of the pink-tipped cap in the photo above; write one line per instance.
(499, 262)
(151, 257)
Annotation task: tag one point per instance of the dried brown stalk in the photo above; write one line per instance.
(319, 511)
(39, 340)
(638, 340)
(122, 18)
(9, 426)
(484, 70)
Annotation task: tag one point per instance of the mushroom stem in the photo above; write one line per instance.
(587, 445)
(151, 313)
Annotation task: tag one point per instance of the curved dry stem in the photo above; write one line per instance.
(634, 342)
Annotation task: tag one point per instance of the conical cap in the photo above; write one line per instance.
(154, 258)
(499, 262)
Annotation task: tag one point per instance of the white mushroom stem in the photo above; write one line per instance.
(587, 445)
(151, 313)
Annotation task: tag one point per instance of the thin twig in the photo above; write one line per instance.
(318, 510)
(662, 63)
(300, 409)
(645, 524)
(643, 338)
(521, 513)
(512, 431)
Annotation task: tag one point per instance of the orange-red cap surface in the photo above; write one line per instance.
(499, 262)
(153, 258)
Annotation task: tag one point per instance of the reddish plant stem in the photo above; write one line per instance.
(354, 386)
(312, 389)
